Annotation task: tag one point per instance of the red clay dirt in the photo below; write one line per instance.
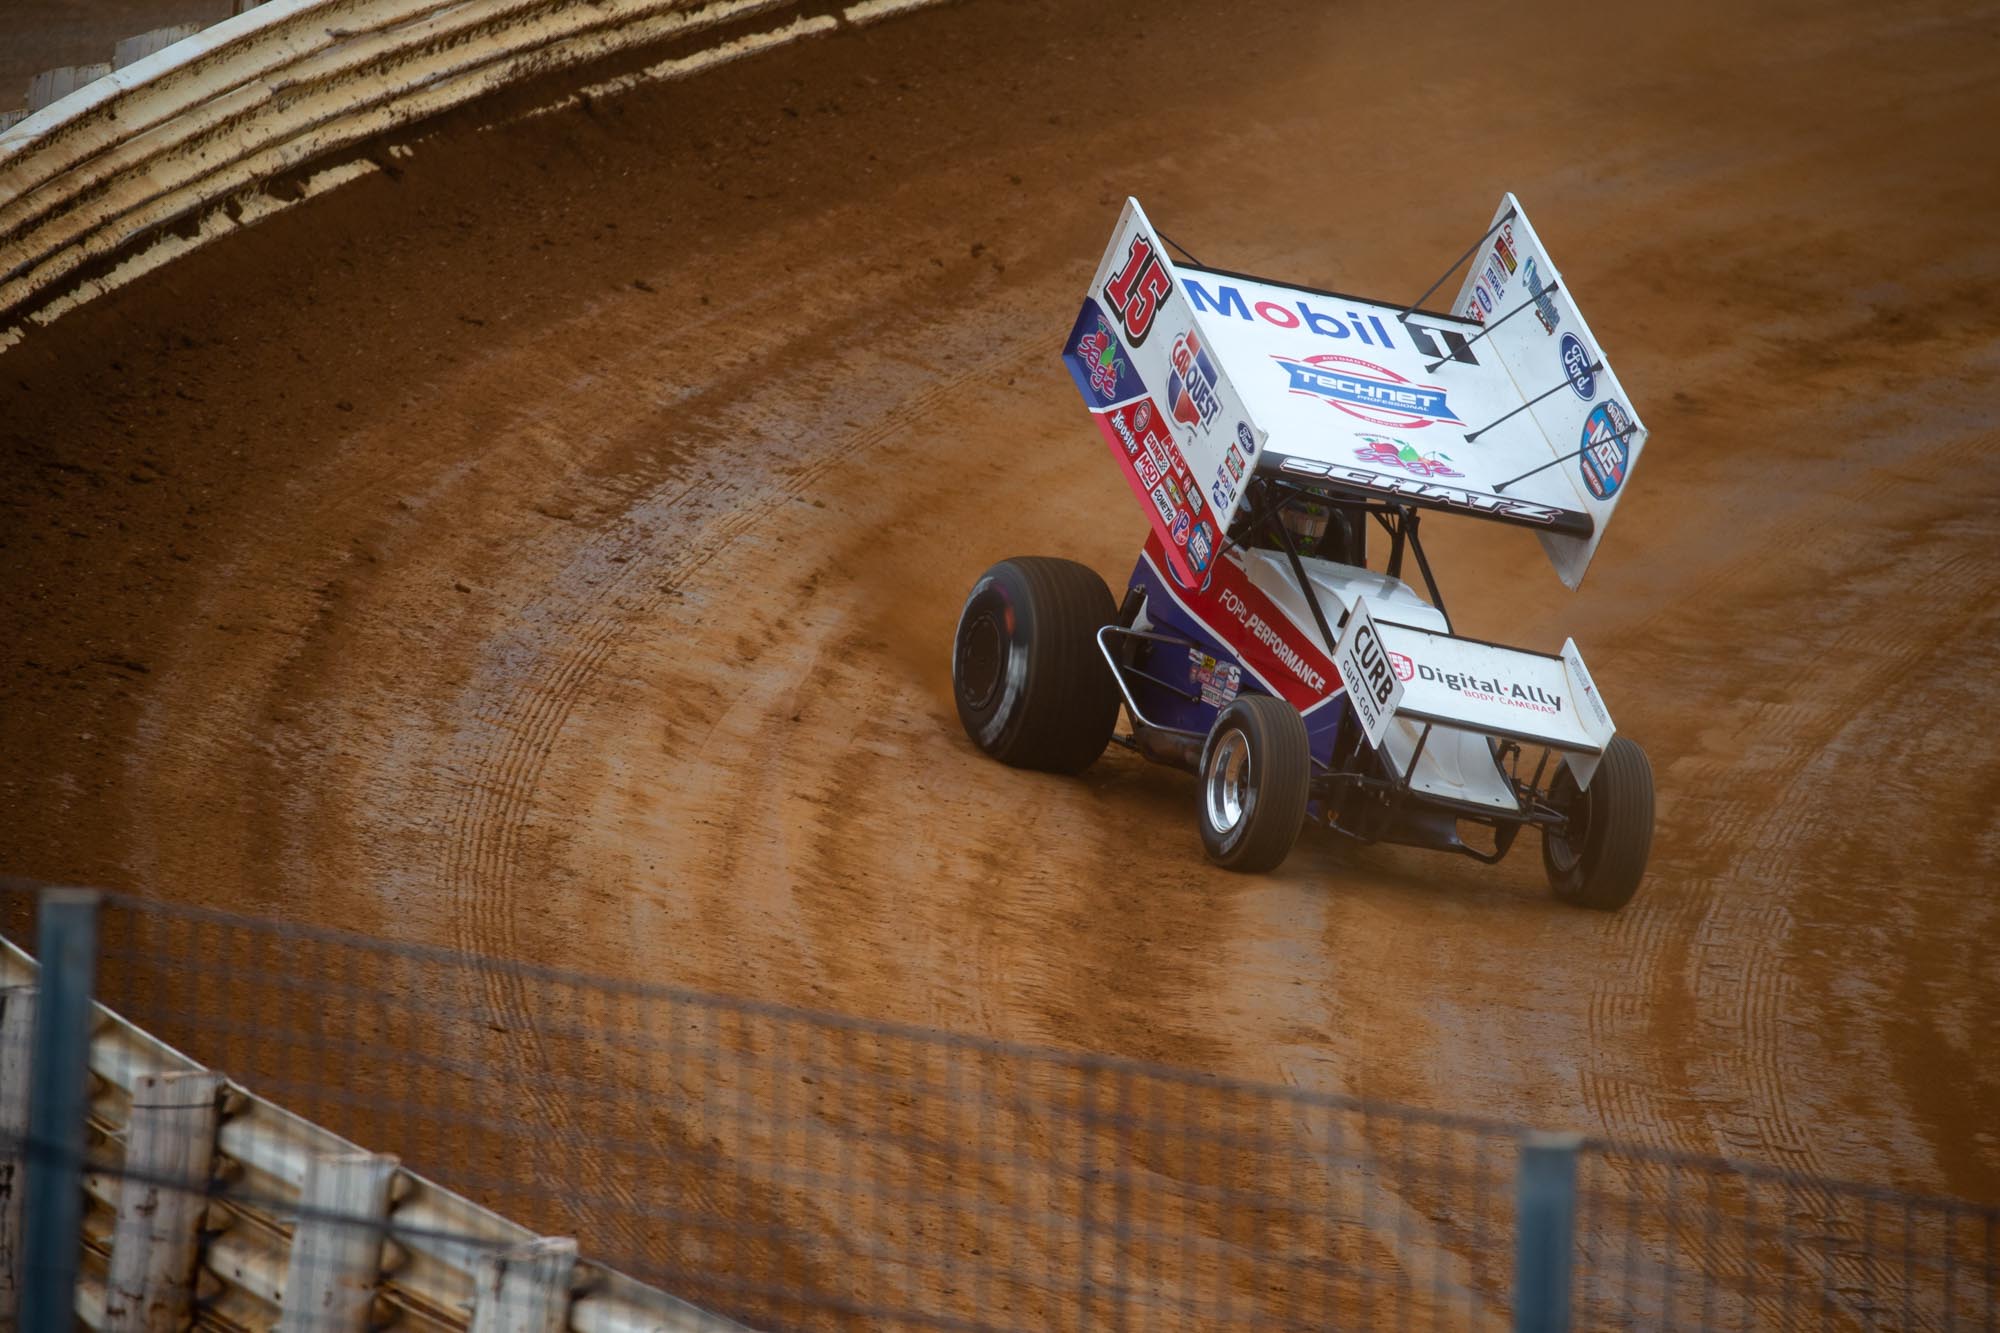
(551, 549)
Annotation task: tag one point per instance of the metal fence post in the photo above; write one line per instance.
(1544, 1232)
(57, 1105)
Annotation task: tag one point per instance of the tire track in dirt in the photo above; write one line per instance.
(1701, 955)
(583, 620)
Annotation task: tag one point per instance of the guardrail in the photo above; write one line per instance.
(186, 138)
(197, 1190)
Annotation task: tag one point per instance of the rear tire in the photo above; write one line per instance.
(1255, 779)
(1600, 859)
(1031, 686)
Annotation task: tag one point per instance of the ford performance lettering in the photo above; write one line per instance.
(1373, 393)
(1272, 638)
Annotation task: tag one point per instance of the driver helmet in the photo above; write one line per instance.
(1306, 522)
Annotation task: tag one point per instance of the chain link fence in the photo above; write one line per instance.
(791, 1169)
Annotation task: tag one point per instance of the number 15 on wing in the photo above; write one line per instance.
(1134, 292)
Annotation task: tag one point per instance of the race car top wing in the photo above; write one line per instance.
(1535, 331)
(1357, 396)
(1180, 431)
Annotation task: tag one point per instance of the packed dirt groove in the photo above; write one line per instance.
(552, 549)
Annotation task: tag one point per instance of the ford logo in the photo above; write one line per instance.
(1576, 365)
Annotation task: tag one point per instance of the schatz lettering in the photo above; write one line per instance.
(1477, 502)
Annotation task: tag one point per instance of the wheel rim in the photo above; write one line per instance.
(1566, 848)
(1229, 793)
(982, 654)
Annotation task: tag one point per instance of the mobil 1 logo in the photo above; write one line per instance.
(1373, 687)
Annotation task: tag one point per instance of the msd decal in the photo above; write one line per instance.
(1191, 385)
(1136, 433)
(1098, 362)
(1363, 389)
(1395, 453)
(1606, 448)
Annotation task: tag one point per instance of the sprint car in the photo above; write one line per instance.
(1276, 437)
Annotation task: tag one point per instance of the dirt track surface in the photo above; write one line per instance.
(553, 550)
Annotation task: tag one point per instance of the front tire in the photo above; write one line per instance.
(1256, 777)
(1031, 686)
(1599, 859)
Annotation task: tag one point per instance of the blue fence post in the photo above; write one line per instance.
(1544, 1232)
(52, 1202)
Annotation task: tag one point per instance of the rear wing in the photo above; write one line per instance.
(1418, 675)
(1509, 412)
